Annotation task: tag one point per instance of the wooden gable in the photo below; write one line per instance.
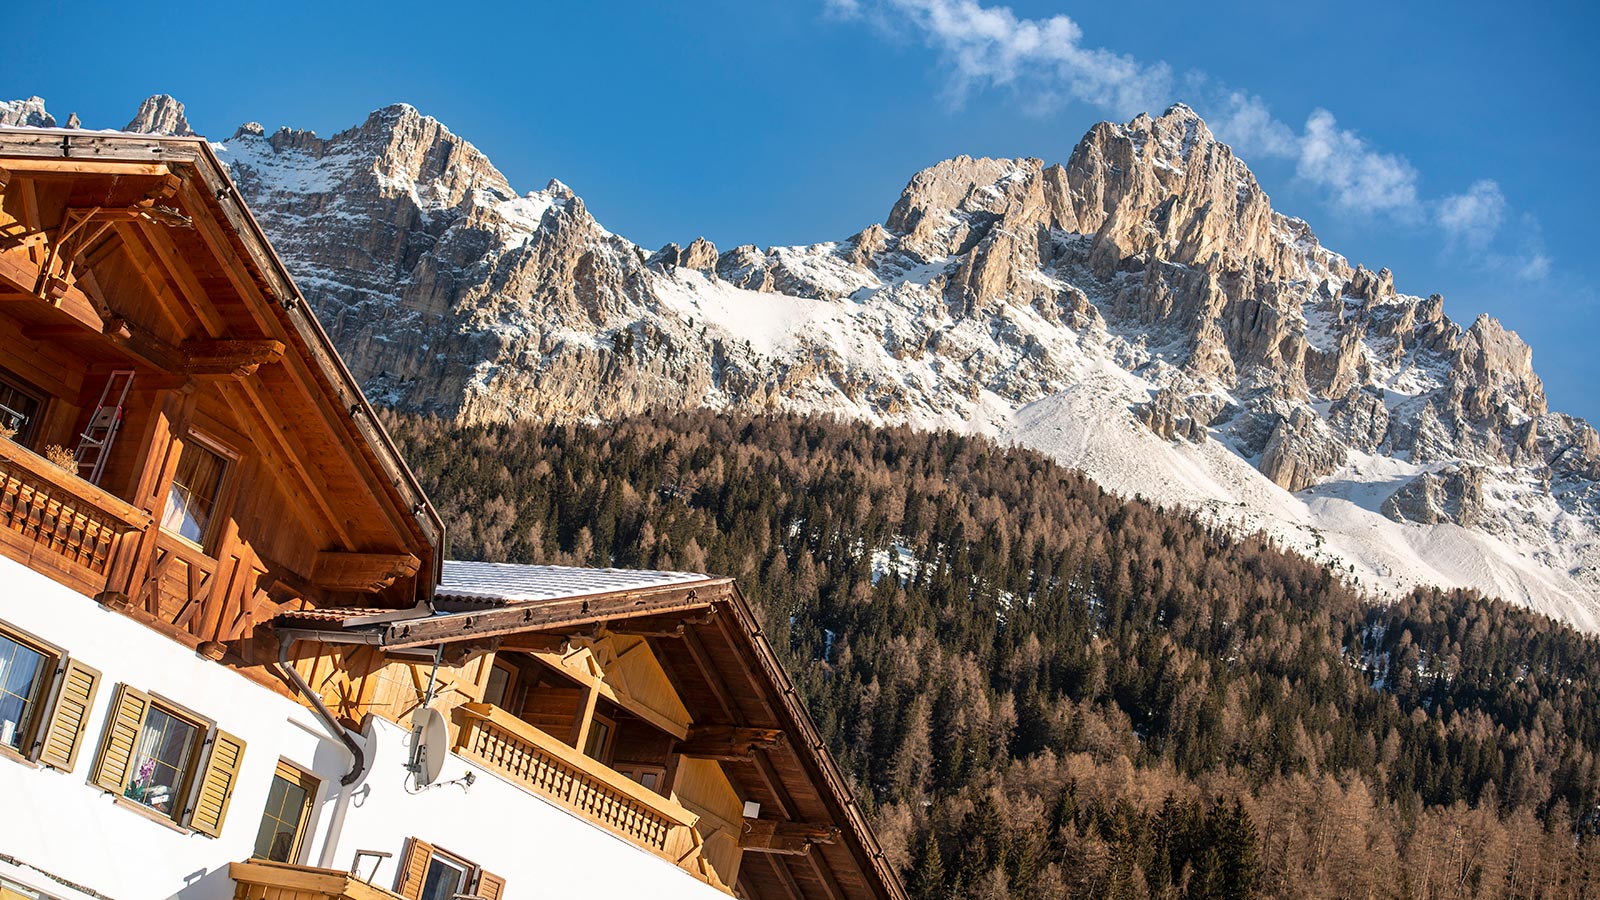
(131, 255)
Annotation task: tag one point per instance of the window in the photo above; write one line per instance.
(446, 878)
(428, 873)
(195, 489)
(283, 824)
(598, 744)
(19, 410)
(45, 700)
(23, 674)
(151, 756)
(161, 760)
(502, 681)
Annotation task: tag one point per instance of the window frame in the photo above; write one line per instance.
(193, 764)
(473, 875)
(220, 504)
(513, 682)
(26, 436)
(42, 704)
(608, 744)
(312, 785)
(469, 869)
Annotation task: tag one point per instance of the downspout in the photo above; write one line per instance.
(358, 767)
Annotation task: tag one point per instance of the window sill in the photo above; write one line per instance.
(152, 815)
(16, 757)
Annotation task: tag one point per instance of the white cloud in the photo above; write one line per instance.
(1473, 218)
(1249, 127)
(1044, 60)
(1356, 177)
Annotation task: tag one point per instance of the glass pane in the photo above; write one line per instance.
(160, 761)
(194, 492)
(283, 820)
(599, 731)
(445, 880)
(21, 670)
(16, 412)
(494, 692)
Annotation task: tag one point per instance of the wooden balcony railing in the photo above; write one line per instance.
(55, 522)
(550, 768)
(262, 880)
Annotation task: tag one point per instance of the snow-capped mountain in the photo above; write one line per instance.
(1140, 312)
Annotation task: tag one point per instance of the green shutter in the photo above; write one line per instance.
(217, 782)
(122, 735)
(62, 736)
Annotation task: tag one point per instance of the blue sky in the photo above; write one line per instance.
(1454, 143)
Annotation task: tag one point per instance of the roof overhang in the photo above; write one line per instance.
(206, 183)
(697, 623)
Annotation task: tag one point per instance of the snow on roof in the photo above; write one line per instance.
(513, 583)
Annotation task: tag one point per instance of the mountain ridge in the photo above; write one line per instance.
(1139, 311)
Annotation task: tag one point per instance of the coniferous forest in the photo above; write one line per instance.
(1043, 690)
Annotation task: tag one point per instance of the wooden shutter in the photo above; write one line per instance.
(62, 736)
(217, 782)
(490, 887)
(413, 869)
(122, 735)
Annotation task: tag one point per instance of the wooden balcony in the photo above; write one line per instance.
(261, 880)
(57, 523)
(552, 769)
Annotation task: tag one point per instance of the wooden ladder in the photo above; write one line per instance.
(94, 445)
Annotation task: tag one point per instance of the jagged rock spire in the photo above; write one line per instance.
(160, 114)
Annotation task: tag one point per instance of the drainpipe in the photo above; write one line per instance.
(358, 766)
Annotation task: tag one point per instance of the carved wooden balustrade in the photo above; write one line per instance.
(57, 523)
(549, 767)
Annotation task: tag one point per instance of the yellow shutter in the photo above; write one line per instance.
(217, 783)
(62, 736)
(490, 887)
(413, 869)
(122, 734)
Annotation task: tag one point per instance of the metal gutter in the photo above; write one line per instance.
(358, 766)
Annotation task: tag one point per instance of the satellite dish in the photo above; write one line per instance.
(431, 744)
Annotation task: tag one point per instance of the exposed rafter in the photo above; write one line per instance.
(728, 743)
(363, 572)
(784, 838)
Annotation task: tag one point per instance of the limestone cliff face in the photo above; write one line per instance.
(1147, 276)
(160, 114)
(26, 113)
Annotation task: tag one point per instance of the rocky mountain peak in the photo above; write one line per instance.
(160, 114)
(26, 113)
(1140, 311)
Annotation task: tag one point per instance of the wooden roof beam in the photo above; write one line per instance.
(728, 743)
(361, 572)
(551, 615)
(669, 627)
(784, 838)
(50, 166)
(236, 359)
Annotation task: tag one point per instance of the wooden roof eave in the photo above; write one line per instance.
(565, 613)
(805, 740)
(67, 150)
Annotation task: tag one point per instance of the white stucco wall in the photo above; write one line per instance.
(61, 823)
